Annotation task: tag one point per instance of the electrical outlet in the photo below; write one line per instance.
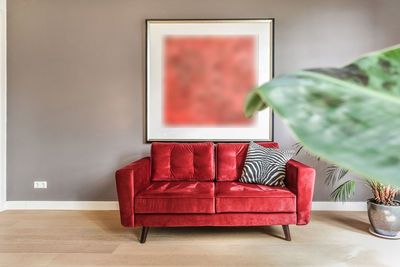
(40, 184)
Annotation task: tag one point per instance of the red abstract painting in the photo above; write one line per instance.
(206, 79)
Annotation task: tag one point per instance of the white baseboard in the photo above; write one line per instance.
(113, 205)
(61, 205)
(342, 206)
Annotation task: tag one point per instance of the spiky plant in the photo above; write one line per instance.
(383, 193)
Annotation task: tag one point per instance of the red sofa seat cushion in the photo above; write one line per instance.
(182, 162)
(241, 197)
(176, 197)
(231, 158)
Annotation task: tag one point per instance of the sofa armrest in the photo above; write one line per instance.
(300, 180)
(130, 180)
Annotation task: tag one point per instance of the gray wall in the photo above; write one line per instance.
(76, 79)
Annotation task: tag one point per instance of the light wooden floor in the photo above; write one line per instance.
(95, 238)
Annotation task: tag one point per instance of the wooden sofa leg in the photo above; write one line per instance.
(145, 230)
(286, 230)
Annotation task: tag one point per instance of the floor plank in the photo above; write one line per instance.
(96, 238)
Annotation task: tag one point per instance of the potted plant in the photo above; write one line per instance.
(384, 210)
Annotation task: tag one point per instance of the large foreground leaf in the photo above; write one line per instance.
(349, 116)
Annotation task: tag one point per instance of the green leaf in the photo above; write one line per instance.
(349, 116)
(344, 191)
(334, 174)
(298, 146)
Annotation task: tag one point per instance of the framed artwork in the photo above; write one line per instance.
(198, 73)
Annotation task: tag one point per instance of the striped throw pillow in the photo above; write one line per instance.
(265, 166)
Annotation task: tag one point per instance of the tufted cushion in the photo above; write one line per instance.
(182, 162)
(241, 197)
(176, 197)
(231, 158)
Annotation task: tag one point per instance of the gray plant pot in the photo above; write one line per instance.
(385, 220)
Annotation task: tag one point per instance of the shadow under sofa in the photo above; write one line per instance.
(196, 184)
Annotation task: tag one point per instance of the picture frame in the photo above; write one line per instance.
(184, 105)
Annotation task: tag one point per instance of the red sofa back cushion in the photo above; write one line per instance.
(231, 158)
(182, 162)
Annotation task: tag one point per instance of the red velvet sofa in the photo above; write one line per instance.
(196, 184)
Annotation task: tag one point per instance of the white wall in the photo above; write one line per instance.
(3, 110)
(76, 80)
